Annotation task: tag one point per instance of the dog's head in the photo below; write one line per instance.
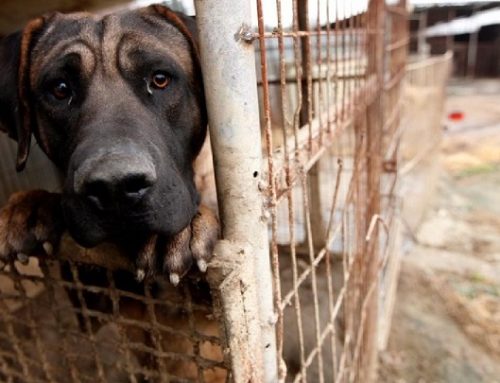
(116, 102)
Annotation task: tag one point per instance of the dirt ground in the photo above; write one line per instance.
(446, 324)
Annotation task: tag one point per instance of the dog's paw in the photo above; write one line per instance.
(174, 257)
(31, 223)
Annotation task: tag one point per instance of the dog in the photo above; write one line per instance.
(117, 104)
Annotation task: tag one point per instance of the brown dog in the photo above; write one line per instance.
(116, 102)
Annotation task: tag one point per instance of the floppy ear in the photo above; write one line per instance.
(15, 110)
(9, 101)
(187, 26)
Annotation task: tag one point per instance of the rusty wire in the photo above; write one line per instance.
(330, 107)
(331, 146)
(42, 340)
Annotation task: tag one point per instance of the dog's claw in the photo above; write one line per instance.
(174, 279)
(205, 231)
(140, 275)
(23, 258)
(202, 265)
(193, 244)
(48, 248)
(31, 224)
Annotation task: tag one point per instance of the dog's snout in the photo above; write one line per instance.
(105, 193)
(115, 180)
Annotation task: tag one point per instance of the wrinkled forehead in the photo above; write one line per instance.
(106, 41)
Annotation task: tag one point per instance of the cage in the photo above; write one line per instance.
(304, 102)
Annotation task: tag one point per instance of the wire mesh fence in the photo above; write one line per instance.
(85, 319)
(308, 210)
(424, 97)
(331, 107)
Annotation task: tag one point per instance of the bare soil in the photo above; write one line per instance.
(446, 325)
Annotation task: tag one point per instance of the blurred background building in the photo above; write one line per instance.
(469, 29)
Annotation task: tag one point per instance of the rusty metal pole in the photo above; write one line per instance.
(246, 291)
(303, 22)
(375, 114)
(306, 116)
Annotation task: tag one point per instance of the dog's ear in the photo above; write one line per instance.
(185, 24)
(9, 100)
(15, 107)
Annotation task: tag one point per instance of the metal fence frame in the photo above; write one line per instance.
(224, 43)
(344, 95)
(230, 80)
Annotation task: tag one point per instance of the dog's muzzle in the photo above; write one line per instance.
(115, 179)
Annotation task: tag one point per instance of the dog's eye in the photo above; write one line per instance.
(61, 90)
(160, 80)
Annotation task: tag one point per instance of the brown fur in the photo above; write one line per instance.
(31, 223)
(29, 220)
(24, 138)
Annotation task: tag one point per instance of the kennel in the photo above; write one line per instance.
(304, 102)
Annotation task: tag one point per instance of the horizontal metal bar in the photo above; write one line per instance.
(428, 62)
(401, 43)
(398, 10)
(396, 79)
(332, 32)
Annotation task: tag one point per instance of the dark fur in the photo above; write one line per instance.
(114, 128)
(110, 110)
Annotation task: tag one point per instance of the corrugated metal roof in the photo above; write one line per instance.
(465, 25)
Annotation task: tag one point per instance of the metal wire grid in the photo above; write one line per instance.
(397, 40)
(107, 331)
(330, 111)
(426, 82)
(330, 116)
(425, 95)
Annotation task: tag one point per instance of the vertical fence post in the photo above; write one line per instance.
(228, 65)
(375, 121)
(306, 116)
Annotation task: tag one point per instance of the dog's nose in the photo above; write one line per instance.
(115, 180)
(126, 191)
